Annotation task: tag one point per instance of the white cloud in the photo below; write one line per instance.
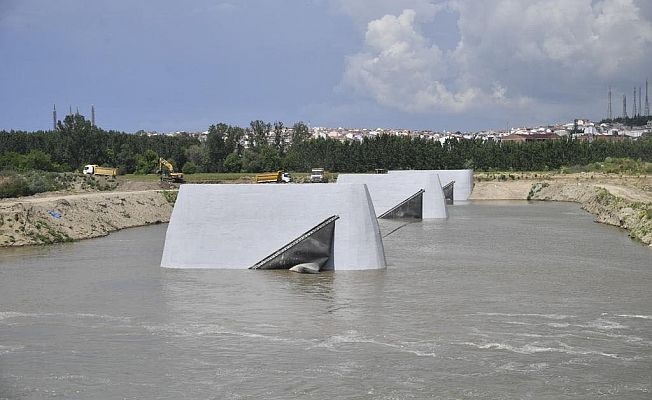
(402, 70)
(510, 53)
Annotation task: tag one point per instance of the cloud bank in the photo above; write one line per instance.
(509, 55)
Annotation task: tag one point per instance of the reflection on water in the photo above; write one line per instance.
(502, 300)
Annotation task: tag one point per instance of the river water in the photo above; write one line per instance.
(505, 300)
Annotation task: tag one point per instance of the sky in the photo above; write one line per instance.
(467, 65)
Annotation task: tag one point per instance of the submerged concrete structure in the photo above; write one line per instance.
(327, 227)
(463, 179)
(398, 195)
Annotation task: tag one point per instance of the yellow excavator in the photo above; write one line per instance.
(166, 170)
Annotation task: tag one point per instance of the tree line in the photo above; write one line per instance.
(263, 147)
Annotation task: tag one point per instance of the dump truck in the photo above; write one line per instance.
(92, 169)
(318, 175)
(273, 177)
(166, 170)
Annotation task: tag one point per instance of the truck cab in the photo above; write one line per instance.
(88, 169)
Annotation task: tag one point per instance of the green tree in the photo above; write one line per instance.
(300, 133)
(198, 155)
(147, 163)
(216, 146)
(259, 132)
(189, 168)
(279, 140)
(232, 163)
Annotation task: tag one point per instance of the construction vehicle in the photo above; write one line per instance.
(318, 175)
(92, 169)
(166, 170)
(274, 177)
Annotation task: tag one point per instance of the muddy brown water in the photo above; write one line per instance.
(504, 300)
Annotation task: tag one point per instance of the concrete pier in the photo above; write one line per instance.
(389, 190)
(463, 179)
(238, 226)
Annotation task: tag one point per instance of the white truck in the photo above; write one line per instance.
(93, 169)
(317, 175)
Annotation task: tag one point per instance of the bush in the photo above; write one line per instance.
(232, 163)
(34, 160)
(14, 184)
(189, 168)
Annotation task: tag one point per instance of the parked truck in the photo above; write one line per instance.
(92, 169)
(318, 175)
(274, 177)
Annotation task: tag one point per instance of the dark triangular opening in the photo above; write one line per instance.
(449, 192)
(314, 246)
(412, 207)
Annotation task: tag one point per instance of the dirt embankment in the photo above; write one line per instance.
(623, 201)
(49, 219)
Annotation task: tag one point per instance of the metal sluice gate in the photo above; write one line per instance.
(449, 192)
(314, 246)
(412, 207)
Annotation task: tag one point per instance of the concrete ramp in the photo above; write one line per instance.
(463, 179)
(391, 190)
(273, 226)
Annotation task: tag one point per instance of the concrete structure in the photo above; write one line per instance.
(463, 179)
(245, 226)
(389, 190)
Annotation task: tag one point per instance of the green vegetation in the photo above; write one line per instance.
(641, 120)
(614, 166)
(17, 184)
(76, 142)
(170, 196)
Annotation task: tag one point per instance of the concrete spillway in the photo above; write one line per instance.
(463, 179)
(391, 190)
(273, 226)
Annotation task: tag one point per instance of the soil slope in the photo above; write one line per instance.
(48, 219)
(623, 201)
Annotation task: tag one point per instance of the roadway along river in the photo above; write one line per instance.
(503, 300)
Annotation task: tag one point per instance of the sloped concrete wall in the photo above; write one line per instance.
(388, 190)
(463, 179)
(235, 226)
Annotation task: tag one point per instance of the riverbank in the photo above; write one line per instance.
(622, 201)
(67, 217)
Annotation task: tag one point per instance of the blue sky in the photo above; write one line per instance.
(461, 64)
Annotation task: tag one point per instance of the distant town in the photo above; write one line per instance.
(582, 129)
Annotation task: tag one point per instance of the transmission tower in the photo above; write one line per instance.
(624, 106)
(647, 104)
(609, 111)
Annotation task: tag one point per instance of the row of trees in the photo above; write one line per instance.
(263, 147)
